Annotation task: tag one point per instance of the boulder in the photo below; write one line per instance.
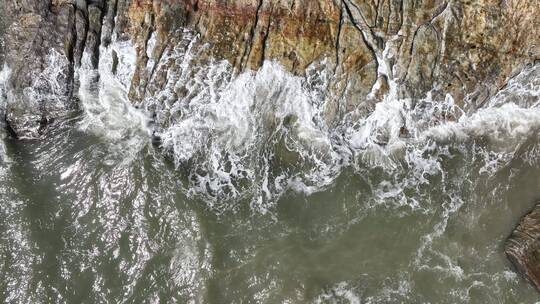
(523, 247)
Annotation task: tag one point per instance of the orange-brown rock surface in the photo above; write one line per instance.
(468, 49)
(457, 47)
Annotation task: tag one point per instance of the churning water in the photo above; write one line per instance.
(253, 196)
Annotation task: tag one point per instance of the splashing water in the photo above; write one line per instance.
(108, 112)
(254, 196)
(4, 77)
(231, 135)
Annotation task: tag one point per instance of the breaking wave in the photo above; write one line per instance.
(258, 134)
(255, 138)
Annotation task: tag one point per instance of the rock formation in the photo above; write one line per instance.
(468, 49)
(450, 46)
(523, 247)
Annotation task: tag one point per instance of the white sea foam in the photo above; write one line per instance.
(522, 90)
(49, 87)
(503, 127)
(48, 93)
(4, 77)
(258, 134)
(338, 294)
(242, 122)
(229, 129)
(108, 113)
(5, 73)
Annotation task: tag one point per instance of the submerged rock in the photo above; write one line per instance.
(523, 247)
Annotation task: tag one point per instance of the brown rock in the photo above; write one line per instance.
(523, 247)
(468, 49)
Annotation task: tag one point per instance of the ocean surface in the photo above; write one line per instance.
(242, 191)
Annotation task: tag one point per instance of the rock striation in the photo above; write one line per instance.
(523, 247)
(468, 49)
(449, 46)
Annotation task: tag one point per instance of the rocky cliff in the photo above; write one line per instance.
(468, 49)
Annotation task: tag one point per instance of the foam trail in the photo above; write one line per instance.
(258, 134)
(503, 126)
(4, 77)
(108, 113)
(340, 292)
(248, 123)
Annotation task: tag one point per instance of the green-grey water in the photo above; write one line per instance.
(82, 225)
(251, 197)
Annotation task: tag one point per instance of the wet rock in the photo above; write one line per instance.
(523, 247)
(466, 48)
(2, 33)
(93, 36)
(437, 45)
(38, 47)
(44, 43)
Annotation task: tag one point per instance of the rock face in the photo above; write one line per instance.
(523, 247)
(37, 43)
(449, 46)
(35, 48)
(468, 49)
(43, 46)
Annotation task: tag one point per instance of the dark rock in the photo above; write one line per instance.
(523, 247)
(11, 132)
(39, 45)
(114, 65)
(81, 28)
(93, 39)
(156, 139)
